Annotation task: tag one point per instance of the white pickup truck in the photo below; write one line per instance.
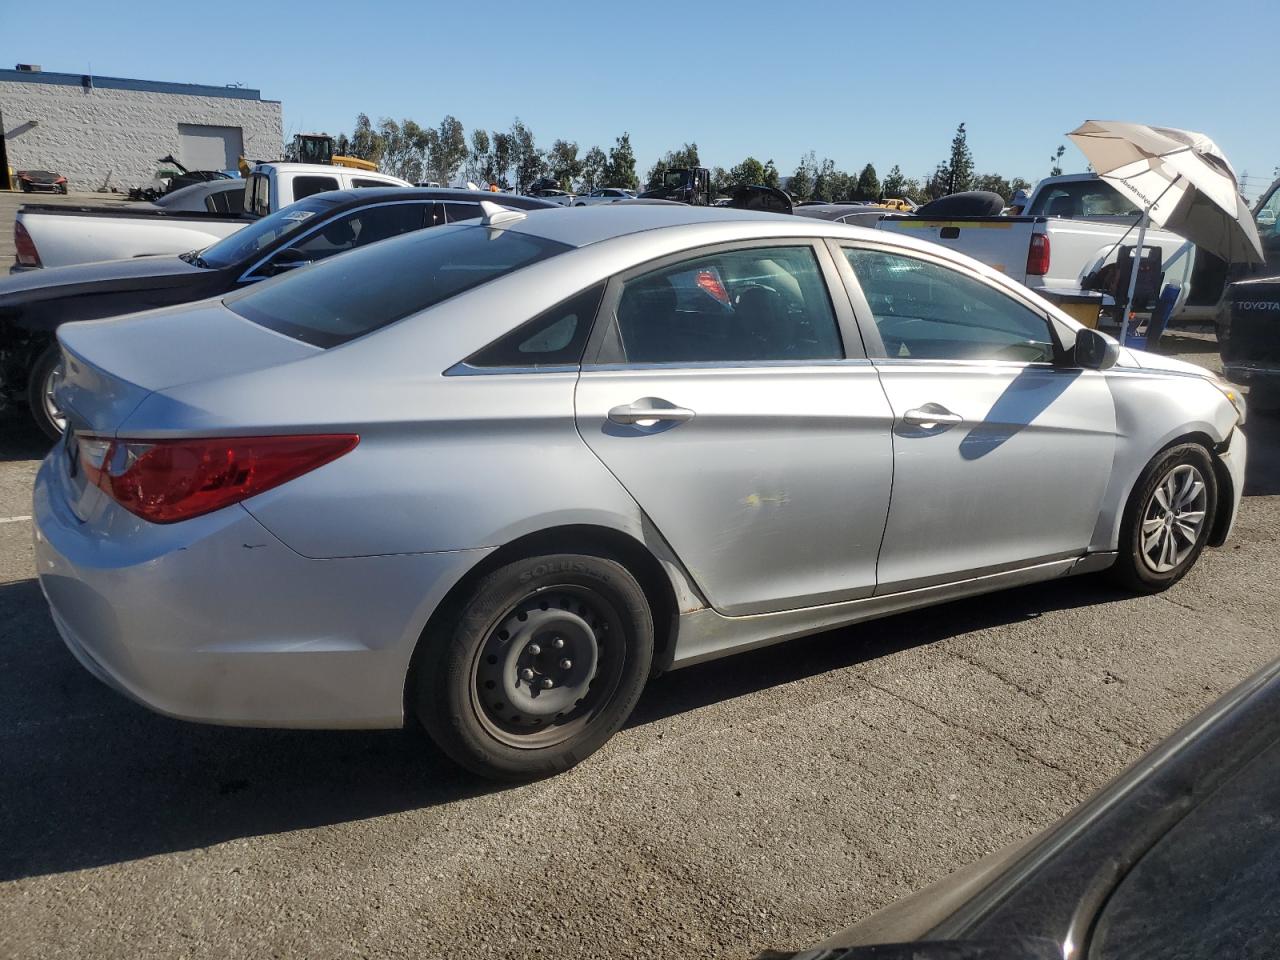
(49, 235)
(1072, 226)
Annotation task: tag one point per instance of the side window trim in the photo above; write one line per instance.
(604, 348)
(871, 332)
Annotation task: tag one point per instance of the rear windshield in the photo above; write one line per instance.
(356, 293)
(1075, 199)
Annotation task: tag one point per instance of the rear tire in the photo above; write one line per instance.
(1167, 519)
(542, 664)
(44, 375)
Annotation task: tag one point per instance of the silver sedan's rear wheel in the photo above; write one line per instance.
(537, 668)
(1168, 519)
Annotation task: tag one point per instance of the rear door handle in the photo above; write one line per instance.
(649, 410)
(930, 416)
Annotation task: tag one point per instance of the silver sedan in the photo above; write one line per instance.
(498, 474)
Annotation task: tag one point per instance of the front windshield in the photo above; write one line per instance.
(261, 234)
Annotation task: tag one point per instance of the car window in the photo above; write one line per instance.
(306, 186)
(455, 211)
(925, 311)
(360, 182)
(556, 337)
(257, 236)
(1268, 215)
(755, 304)
(361, 228)
(346, 297)
(1081, 198)
(226, 201)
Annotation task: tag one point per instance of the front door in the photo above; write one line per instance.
(1001, 458)
(723, 398)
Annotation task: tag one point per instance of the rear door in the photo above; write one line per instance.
(1001, 457)
(729, 393)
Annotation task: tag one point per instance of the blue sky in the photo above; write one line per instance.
(886, 82)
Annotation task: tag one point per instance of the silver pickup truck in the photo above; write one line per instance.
(48, 235)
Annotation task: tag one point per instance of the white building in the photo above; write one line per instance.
(110, 131)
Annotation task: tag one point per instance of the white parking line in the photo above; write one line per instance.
(14, 519)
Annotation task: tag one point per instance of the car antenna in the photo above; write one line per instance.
(496, 214)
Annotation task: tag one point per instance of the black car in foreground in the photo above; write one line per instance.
(34, 304)
(1178, 858)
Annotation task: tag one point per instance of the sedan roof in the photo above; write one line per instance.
(582, 226)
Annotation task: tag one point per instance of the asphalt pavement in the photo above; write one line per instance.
(762, 801)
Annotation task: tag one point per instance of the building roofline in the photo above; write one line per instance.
(124, 83)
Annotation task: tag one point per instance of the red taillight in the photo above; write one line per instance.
(165, 481)
(1038, 255)
(28, 256)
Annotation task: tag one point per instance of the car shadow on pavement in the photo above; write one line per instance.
(90, 778)
(845, 647)
(20, 439)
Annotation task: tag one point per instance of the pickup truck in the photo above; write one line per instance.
(48, 235)
(1073, 225)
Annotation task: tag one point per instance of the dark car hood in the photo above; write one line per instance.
(103, 277)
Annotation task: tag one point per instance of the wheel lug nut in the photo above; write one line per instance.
(533, 650)
(526, 674)
(557, 642)
(566, 663)
(547, 683)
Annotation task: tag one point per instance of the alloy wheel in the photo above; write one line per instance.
(51, 409)
(1174, 518)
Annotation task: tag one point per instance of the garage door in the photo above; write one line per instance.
(210, 148)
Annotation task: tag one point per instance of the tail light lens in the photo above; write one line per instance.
(1038, 255)
(28, 256)
(165, 481)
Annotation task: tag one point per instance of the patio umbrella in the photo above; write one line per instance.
(1180, 180)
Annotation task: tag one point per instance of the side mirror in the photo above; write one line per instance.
(1095, 351)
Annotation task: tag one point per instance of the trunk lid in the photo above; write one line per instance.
(96, 278)
(111, 366)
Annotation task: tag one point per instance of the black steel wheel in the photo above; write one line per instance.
(543, 664)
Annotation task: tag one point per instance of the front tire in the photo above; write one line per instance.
(43, 378)
(544, 663)
(1167, 519)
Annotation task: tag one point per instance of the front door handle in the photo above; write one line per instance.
(931, 416)
(649, 410)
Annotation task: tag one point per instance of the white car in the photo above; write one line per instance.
(555, 196)
(604, 195)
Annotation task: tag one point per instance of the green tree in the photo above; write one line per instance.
(526, 158)
(594, 166)
(938, 184)
(911, 190)
(959, 166)
(994, 183)
(825, 181)
(479, 163)
(681, 158)
(868, 187)
(749, 171)
(449, 149)
(720, 185)
(564, 164)
(800, 183)
(620, 171)
(365, 141)
(500, 152)
(771, 178)
(894, 183)
(1055, 159)
(1017, 183)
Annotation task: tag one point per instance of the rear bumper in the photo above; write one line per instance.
(215, 620)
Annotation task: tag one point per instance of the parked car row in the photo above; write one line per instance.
(548, 454)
